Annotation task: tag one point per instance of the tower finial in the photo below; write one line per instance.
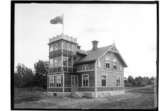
(113, 44)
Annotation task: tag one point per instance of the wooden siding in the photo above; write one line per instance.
(67, 89)
(59, 52)
(67, 78)
(91, 81)
(60, 69)
(109, 88)
(55, 89)
(111, 74)
(86, 89)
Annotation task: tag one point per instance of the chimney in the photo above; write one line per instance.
(94, 44)
(78, 47)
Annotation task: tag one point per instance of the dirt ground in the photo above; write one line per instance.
(134, 98)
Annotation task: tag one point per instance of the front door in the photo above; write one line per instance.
(74, 82)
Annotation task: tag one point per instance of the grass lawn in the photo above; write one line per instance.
(140, 98)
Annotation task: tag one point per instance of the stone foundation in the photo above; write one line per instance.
(89, 93)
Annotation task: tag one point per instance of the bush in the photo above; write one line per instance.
(139, 81)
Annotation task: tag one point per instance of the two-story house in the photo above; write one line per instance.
(96, 72)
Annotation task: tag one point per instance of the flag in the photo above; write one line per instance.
(57, 20)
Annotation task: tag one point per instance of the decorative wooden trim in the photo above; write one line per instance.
(95, 73)
(86, 70)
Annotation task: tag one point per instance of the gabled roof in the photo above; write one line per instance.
(93, 55)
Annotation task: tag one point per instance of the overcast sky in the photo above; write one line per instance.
(131, 26)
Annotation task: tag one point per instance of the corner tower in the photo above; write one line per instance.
(62, 49)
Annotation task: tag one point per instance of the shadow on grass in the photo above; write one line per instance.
(26, 99)
(27, 95)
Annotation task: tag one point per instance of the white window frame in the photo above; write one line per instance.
(106, 64)
(83, 80)
(55, 81)
(119, 82)
(60, 83)
(105, 80)
(51, 80)
(51, 48)
(51, 63)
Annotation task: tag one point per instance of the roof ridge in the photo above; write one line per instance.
(99, 48)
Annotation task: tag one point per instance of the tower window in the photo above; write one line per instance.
(51, 48)
(59, 81)
(51, 81)
(51, 62)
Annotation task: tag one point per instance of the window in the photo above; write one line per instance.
(55, 47)
(64, 45)
(55, 81)
(56, 62)
(51, 63)
(85, 80)
(118, 82)
(58, 81)
(114, 66)
(91, 66)
(79, 67)
(73, 47)
(65, 61)
(51, 81)
(114, 63)
(70, 61)
(107, 65)
(51, 48)
(103, 80)
(83, 67)
(69, 46)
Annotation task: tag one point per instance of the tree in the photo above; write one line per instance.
(23, 77)
(131, 81)
(41, 70)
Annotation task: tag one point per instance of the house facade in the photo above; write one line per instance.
(96, 72)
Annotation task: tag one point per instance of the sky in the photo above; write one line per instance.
(132, 27)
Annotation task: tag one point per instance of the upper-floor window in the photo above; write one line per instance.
(85, 67)
(51, 62)
(114, 64)
(69, 46)
(55, 46)
(103, 80)
(65, 61)
(107, 65)
(85, 80)
(70, 61)
(51, 48)
(64, 45)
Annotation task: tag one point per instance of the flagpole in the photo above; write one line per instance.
(63, 23)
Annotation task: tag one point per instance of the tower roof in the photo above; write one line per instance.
(63, 37)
